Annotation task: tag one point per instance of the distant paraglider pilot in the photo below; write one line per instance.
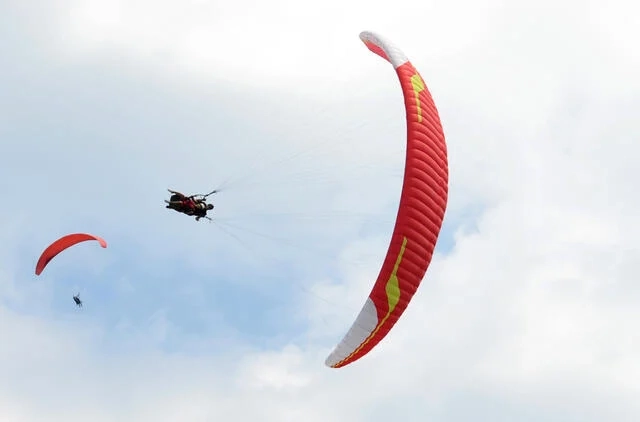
(194, 205)
(77, 300)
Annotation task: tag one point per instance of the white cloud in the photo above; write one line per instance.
(257, 43)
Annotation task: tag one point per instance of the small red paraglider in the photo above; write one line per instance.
(63, 243)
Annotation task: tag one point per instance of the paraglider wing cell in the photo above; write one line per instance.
(63, 243)
(421, 211)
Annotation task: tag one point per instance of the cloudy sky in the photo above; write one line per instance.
(529, 310)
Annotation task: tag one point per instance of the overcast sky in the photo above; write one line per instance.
(529, 310)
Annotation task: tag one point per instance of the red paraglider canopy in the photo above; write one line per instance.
(63, 243)
(421, 210)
